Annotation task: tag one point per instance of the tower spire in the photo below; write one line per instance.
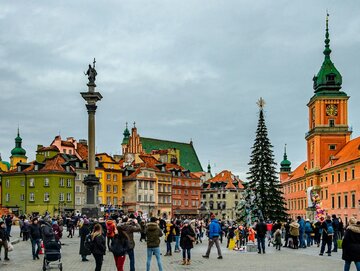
(327, 50)
(285, 155)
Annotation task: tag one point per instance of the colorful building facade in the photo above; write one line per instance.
(328, 182)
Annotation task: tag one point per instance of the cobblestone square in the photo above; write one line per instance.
(286, 259)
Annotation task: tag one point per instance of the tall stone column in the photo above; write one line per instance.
(91, 181)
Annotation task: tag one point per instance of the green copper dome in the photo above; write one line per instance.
(126, 135)
(328, 78)
(285, 164)
(18, 150)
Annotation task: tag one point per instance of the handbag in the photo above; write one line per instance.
(10, 247)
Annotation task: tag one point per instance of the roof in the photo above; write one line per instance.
(348, 153)
(227, 177)
(50, 148)
(298, 172)
(82, 150)
(188, 156)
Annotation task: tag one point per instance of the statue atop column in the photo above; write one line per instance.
(91, 73)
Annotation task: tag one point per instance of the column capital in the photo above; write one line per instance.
(91, 108)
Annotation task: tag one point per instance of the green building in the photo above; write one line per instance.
(39, 187)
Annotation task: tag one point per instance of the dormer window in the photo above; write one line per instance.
(67, 168)
(162, 168)
(36, 167)
(19, 168)
(126, 173)
(179, 173)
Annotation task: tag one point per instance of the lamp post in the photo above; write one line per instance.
(91, 181)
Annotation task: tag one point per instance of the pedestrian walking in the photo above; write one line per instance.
(261, 229)
(335, 224)
(4, 239)
(8, 223)
(153, 234)
(214, 234)
(83, 232)
(35, 237)
(110, 231)
(351, 245)
(99, 246)
(187, 239)
(169, 236)
(294, 234)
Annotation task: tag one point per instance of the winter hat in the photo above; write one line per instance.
(352, 221)
(187, 221)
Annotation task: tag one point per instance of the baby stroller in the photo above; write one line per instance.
(52, 256)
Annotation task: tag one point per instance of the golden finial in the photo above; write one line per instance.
(261, 103)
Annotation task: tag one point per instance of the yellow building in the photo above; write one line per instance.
(109, 173)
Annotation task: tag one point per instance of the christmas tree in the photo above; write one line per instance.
(264, 195)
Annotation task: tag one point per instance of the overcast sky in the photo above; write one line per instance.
(181, 69)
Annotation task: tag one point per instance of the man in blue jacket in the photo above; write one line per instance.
(214, 233)
(301, 222)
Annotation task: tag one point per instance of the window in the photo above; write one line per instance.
(353, 200)
(326, 194)
(139, 198)
(78, 201)
(108, 200)
(185, 192)
(186, 203)
(115, 201)
(108, 188)
(22, 197)
(100, 187)
(61, 197)
(22, 183)
(339, 201)
(211, 196)
(32, 182)
(68, 196)
(145, 185)
(115, 188)
(145, 198)
(62, 182)
(46, 196)
(193, 203)
(115, 177)
(46, 182)
(331, 122)
(338, 178)
(7, 197)
(68, 183)
(345, 201)
(353, 173)
(332, 202)
(174, 202)
(223, 196)
(108, 177)
(219, 196)
(332, 147)
(151, 185)
(140, 184)
(100, 175)
(332, 178)
(31, 196)
(7, 184)
(151, 198)
(345, 176)
(77, 189)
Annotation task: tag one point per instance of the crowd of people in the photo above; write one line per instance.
(115, 233)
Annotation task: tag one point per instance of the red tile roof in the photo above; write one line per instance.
(50, 148)
(82, 150)
(298, 172)
(227, 177)
(349, 152)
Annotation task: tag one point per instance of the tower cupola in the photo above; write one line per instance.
(285, 163)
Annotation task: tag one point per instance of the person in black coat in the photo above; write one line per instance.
(83, 232)
(351, 245)
(35, 237)
(99, 247)
(187, 237)
(4, 239)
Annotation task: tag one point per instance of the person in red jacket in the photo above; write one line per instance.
(110, 231)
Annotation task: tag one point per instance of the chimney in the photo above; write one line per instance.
(83, 142)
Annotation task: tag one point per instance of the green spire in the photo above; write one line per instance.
(18, 150)
(126, 135)
(209, 168)
(328, 78)
(285, 164)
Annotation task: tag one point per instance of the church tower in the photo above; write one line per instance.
(328, 113)
(18, 154)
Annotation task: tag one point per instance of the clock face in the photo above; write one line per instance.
(331, 110)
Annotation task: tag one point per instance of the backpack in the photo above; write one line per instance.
(330, 229)
(88, 243)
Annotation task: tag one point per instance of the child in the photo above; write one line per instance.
(277, 239)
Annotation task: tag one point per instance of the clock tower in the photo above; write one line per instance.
(328, 113)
